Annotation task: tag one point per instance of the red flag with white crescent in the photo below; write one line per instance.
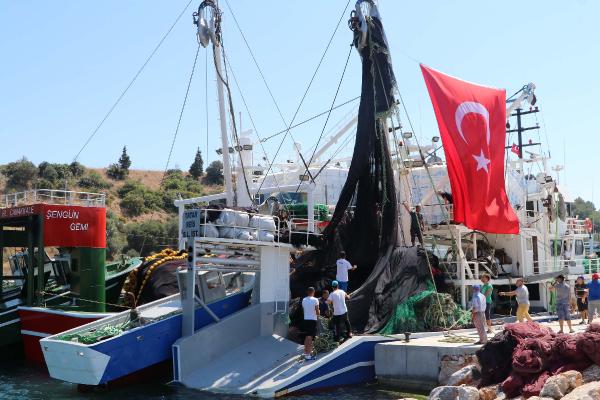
(472, 119)
(515, 149)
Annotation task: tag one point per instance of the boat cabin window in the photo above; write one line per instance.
(579, 247)
(529, 206)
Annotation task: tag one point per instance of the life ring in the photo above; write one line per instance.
(588, 225)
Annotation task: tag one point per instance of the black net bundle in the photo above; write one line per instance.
(386, 275)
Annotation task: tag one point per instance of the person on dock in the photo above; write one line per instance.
(563, 302)
(487, 290)
(478, 305)
(340, 312)
(324, 304)
(581, 296)
(343, 266)
(522, 295)
(310, 306)
(417, 226)
(593, 297)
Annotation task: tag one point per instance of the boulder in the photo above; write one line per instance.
(467, 393)
(539, 398)
(468, 375)
(449, 364)
(560, 385)
(591, 374)
(488, 392)
(589, 391)
(444, 393)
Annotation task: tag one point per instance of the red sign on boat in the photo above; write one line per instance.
(66, 226)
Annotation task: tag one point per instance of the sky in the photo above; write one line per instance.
(64, 63)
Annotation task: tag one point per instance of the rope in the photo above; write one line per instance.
(304, 96)
(312, 118)
(137, 74)
(337, 91)
(185, 98)
(82, 299)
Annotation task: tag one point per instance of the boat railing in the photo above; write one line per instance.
(433, 215)
(52, 196)
(576, 226)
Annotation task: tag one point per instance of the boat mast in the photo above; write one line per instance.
(208, 20)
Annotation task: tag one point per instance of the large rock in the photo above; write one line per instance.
(452, 363)
(560, 385)
(591, 374)
(488, 392)
(467, 393)
(444, 393)
(539, 398)
(454, 393)
(589, 391)
(468, 375)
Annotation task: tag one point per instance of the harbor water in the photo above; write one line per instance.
(19, 381)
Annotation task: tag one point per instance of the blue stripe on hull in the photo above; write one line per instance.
(364, 352)
(354, 376)
(143, 347)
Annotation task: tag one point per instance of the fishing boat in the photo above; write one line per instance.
(62, 291)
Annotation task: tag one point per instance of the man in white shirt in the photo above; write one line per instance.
(343, 266)
(478, 313)
(310, 306)
(340, 311)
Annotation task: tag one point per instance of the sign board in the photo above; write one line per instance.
(66, 226)
(190, 225)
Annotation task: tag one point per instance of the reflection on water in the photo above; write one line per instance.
(20, 382)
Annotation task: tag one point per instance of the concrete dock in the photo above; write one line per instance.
(416, 364)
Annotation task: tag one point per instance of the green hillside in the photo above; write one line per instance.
(141, 217)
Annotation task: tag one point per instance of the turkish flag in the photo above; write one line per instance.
(515, 149)
(472, 122)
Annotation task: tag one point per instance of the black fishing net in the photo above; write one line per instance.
(386, 275)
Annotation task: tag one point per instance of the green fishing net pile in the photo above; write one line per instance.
(325, 340)
(93, 336)
(422, 312)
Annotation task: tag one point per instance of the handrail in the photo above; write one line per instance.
(53, 196)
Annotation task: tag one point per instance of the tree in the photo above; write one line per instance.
(77, 169)
(125, 161)
(197, 167)
(93, 181)
(214, 173)
(20, 173)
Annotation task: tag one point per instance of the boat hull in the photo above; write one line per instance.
(38, 323)
(131, 352)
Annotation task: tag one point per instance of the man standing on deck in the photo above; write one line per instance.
(563, 302)
(340, 311)
(417, 226)
(486, 290)
(593, 298)
(343, 266)
(522, 294)
(478, 314)
(310, 306)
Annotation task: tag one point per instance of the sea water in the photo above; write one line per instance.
(19, 381)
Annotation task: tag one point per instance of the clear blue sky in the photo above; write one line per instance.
(63, 63)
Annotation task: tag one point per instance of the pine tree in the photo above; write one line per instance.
(125, 161)
(197, 167)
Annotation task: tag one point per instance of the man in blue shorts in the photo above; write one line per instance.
(563, 302)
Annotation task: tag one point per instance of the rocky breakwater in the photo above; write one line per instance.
(527, 361)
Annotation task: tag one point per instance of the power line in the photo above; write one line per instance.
(137, 74)
(311, 118)
(187, 92)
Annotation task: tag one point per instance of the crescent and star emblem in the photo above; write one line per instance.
(469, 107)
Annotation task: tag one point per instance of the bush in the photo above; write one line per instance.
(214, 173)
(20, 174)
(152, 236)
(116, 240)
(93, 181)
(133, 204)
(42, 183)
(130, 186)
(114, 171)
(77, 169)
